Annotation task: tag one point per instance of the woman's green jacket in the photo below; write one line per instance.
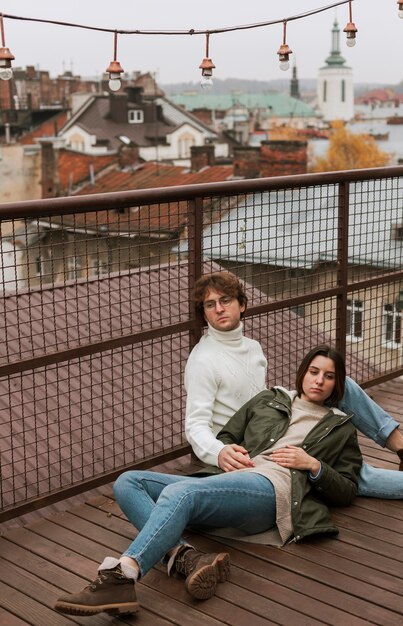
(259, 423)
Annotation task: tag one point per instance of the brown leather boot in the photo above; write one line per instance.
(111, 592)
(400, 455)
(202, 571)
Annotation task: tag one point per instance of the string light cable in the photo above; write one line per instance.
(350, 28)
(115, 70)
(6, 57)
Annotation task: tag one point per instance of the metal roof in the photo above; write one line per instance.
(298, 228)
(279, 104)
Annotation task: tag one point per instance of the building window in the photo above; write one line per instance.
(299, 310)
(343, 90)
(40, 265)
(184, 145)
(324, 91)
(397, 233)
(98, 266)
(136, 116)
(354, 320)
(392, 326)
(73, 268)
(78, 146)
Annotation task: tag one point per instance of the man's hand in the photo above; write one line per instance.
(294, 457)
(234, 457)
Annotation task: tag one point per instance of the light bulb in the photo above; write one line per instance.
(284, 65)
(115, 84)
(206, 82)
(6, 73)
(400, 14)
(351, 42)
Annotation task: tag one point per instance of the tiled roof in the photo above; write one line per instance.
(152, 174)
(161, 217)
(74, 167)
(49, 128)
(380, 95)
(95, 119)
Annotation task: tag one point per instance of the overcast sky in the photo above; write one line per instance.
(377, 57)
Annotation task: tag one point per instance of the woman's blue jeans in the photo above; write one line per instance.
(374, 422)
(160, 506)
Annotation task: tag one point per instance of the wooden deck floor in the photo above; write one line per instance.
(351, 580)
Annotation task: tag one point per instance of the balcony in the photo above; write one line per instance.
(97, 325)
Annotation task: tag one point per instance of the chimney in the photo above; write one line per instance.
(118, 107)
(283, 158)
(246, 162)
(201, 156)
(48, 179)
(134, 94)
(128, 156)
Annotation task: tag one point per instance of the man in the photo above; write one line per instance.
(226, 369)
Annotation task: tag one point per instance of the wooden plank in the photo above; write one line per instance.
(8, 619)
(41, 567)
(262, 605)
(378, 539)
(20, 604)
(217, 607)
(37, 583)
(52, 552)
(72, 541)
(170, 607)
(315, 580)
(375, 518)
(360, 565)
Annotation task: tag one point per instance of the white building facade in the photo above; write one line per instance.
(335, 84)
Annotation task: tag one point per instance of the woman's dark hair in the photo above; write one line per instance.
(223, 282)
(339, 366)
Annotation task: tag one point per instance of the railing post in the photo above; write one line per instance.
(342, 265)
(195, 259)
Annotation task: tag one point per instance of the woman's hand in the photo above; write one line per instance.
(294, 457)
(234, 457)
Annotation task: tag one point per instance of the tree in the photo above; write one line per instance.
(348, 151)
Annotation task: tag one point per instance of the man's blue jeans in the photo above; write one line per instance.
(243, 500)
(374, 422)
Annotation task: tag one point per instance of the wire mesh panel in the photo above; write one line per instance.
(68, 423)
(278, 240)
(97, 321)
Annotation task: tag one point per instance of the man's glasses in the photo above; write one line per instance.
(224, 301)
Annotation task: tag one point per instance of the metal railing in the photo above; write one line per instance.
(97, 320)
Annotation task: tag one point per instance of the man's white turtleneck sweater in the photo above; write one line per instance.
(224, 370)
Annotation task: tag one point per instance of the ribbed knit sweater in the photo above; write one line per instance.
(224, 370)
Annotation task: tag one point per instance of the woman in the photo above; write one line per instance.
(303, 456)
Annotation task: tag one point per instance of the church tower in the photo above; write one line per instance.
(335, 84)
(294, 85)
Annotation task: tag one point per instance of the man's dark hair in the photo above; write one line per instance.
(222, 282)
(339, 366)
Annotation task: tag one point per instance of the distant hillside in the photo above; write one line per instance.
(306, 85)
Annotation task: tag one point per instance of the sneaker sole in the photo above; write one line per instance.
(202, 584)
(111, 609)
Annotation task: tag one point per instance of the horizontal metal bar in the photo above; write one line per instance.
(138, 197)
(93, 348)
(86, 485)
